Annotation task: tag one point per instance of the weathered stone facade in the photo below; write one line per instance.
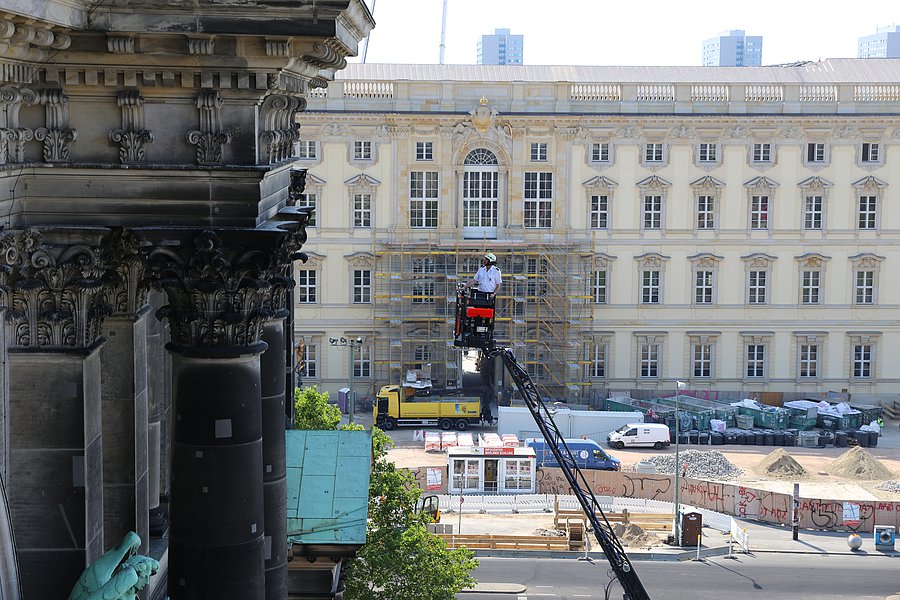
(146, 153)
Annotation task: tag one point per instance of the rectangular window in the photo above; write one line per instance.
(598, 287)
(538, 152)
(424, 151)
(423, 284)
(756, 360)
(600, 152)
(362, 150)
(757, 288)
(759, 212)
(762, 153)
(649, 366)
(310, 199)
(538, 199)
(809, 287)
(310, 364)
(867, 207)
(862, 361)
(812, 213)
(869, 152)
(306, 149)
(599, 212)
(598, 361)
(423, 199)
(815, 152)
(653, 152)
(362, 210)
(362, 286)
(305, 292)
(707, 153)
(706, 215)
(362, 362)
(865, 287)
(652, 212)
(518, 475)
(703, 287)
(702, 360)
(809, 361)
(650, 287)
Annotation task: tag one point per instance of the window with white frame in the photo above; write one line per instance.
(423, 199)
(538, 151)
(650, 286)
(648, 359)
(423, 280)
(362, 362)
(706, 212)
(310, 199)
(599, 286)
(864, 287)
(652, 212)
(757, 288)
(756, 361)
(863, 360)
(808, 360)
(701, 360)
(362, 150)
(535, 363)
(761, 152)
(362, 286)
(536, 270)
(305, 290)
(653, 152)
(812, 212)
(759, 212)
(599, 152)
(704, 286)
(424, 151)
(815, 152)
(308, 366)
(465, 474)
(517, 475)
(422, 354)
(810, 286)
(538, 199)
(597, 360)
(707, 152)
(870, 152)
(362, 210)
(307, 150)
(868, 212)
(599, 212)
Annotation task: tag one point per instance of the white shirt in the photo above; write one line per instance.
(488, 279)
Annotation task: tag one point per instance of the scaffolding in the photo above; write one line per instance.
(543, 311)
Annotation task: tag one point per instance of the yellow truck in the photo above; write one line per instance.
(448, 409)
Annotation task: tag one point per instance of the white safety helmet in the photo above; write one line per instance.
(490, 256)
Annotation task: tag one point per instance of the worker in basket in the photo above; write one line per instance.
(475, 308)
(487, 278)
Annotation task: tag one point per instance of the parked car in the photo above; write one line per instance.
(635, 435)
(588, 454)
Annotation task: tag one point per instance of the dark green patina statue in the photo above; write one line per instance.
(117, 575)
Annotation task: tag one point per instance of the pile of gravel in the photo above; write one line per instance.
(891, 485)
(857, 463)
(699, 464)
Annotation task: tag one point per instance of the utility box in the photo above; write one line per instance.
(691, 528)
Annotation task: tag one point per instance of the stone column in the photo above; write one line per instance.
(220, 288)
(159, 396)
(53, 281)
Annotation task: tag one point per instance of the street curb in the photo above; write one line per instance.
(664, 556)
(495, 588)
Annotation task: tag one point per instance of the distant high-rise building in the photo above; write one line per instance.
(884, 44)
(500, 48)
(733, 49)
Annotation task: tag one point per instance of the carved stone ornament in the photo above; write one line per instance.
(13, 136)
(132, 137)
(57, 135)
(297, 186)
(278, 130)
(53, 293)
(484, 124)
(210, 139)
(127, 289)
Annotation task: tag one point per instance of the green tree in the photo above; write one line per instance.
(401, 559)
(312, 410)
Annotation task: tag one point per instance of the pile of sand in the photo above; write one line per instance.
(857, 463)
(634, 536)
(780, 464)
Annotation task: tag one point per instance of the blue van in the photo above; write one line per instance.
(588, 454)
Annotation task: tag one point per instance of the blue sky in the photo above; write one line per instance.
(647, 32)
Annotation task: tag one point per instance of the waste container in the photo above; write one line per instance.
(691, 528)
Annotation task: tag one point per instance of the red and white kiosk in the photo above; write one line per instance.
(491, 470)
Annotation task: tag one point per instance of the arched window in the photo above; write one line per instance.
(481, 189)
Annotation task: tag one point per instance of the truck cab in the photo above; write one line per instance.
(587, 454)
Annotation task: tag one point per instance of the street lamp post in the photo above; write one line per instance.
(353, 345)
(677, 529)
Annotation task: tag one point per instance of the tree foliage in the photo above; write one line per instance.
(312, 410)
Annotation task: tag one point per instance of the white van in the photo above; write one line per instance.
(639, 434)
